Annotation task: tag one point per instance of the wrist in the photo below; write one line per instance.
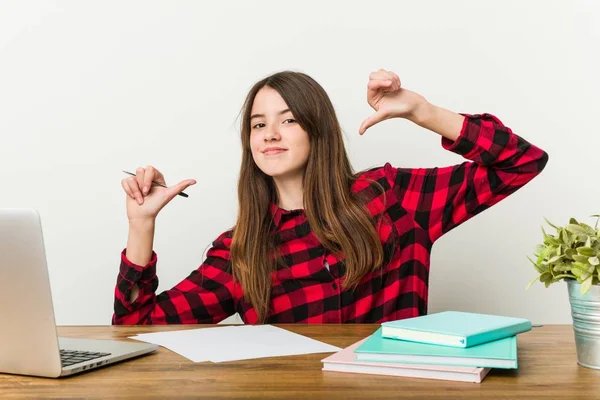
(422, 113)
(439, 120)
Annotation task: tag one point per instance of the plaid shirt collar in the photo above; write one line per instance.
(280, 215)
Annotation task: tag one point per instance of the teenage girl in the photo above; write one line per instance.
(314, 241)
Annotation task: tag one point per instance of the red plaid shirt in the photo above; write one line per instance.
(422, 205)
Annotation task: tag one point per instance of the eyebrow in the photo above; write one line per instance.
(262, 115)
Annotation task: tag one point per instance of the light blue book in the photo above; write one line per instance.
(501, 353)
(455, 328)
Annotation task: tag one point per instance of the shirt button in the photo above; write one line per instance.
(334, 286)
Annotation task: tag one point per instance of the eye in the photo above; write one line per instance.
(291, 121)
(257, 125)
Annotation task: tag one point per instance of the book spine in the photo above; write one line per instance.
(496, 334)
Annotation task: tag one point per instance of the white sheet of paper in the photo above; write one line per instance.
(191, 343)
(230, 343)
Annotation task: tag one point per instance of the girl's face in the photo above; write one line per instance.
(280, 147)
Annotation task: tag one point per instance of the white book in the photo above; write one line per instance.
(345, 361)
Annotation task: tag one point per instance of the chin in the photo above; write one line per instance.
(279, 172)
(275, 173)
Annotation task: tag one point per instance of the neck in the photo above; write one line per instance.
(290, 192)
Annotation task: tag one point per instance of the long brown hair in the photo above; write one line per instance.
(337, 216)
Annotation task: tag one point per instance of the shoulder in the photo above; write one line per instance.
(373, 177)
(221, 245)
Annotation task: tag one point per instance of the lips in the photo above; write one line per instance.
(273, 151)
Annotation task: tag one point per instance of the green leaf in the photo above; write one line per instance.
(586, 251)
(539, 248)
(581, 265)
(555, 259)
(561, 267)
(576, 229)
(580, 258)
(586, 285)
(594, 260)
(587, 228)
(546, 277)
(539, 267)
(551, 224)
(549, 239)
(531, 282)
(564, 236)
(561, 276)
(584, 275)
(597, 219)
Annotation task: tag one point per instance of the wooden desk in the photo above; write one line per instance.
(547, 369)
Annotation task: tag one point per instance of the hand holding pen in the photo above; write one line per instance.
(147, 192)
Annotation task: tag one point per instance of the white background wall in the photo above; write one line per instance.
(88, 89)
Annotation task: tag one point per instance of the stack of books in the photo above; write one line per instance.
(450, 345)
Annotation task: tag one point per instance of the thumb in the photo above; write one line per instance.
(180, 187)
(369, 122)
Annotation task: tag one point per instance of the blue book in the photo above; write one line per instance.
(455, 328)
(501, 353)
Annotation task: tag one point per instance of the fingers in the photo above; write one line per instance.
(378, 84)
(134, 189)
(145, 176)
(126, 188)
(383, 75)
(369, 122)
(376, 87)
(149, 176)
(140, 185)
(139, 176)
(396, 80)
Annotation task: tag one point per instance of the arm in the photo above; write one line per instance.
(440, 199)
(439, 120)
(140, 241)
(502, 162)
(205, 296)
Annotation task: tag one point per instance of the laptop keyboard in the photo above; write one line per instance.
(70, 357)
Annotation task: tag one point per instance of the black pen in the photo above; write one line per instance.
(158, 184)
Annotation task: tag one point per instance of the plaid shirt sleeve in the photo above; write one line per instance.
(205, 296)
(440, 199)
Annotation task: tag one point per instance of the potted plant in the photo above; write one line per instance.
(573, 255)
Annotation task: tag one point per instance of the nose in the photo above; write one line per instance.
(272, 133)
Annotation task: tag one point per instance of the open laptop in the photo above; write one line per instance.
(29, 344)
